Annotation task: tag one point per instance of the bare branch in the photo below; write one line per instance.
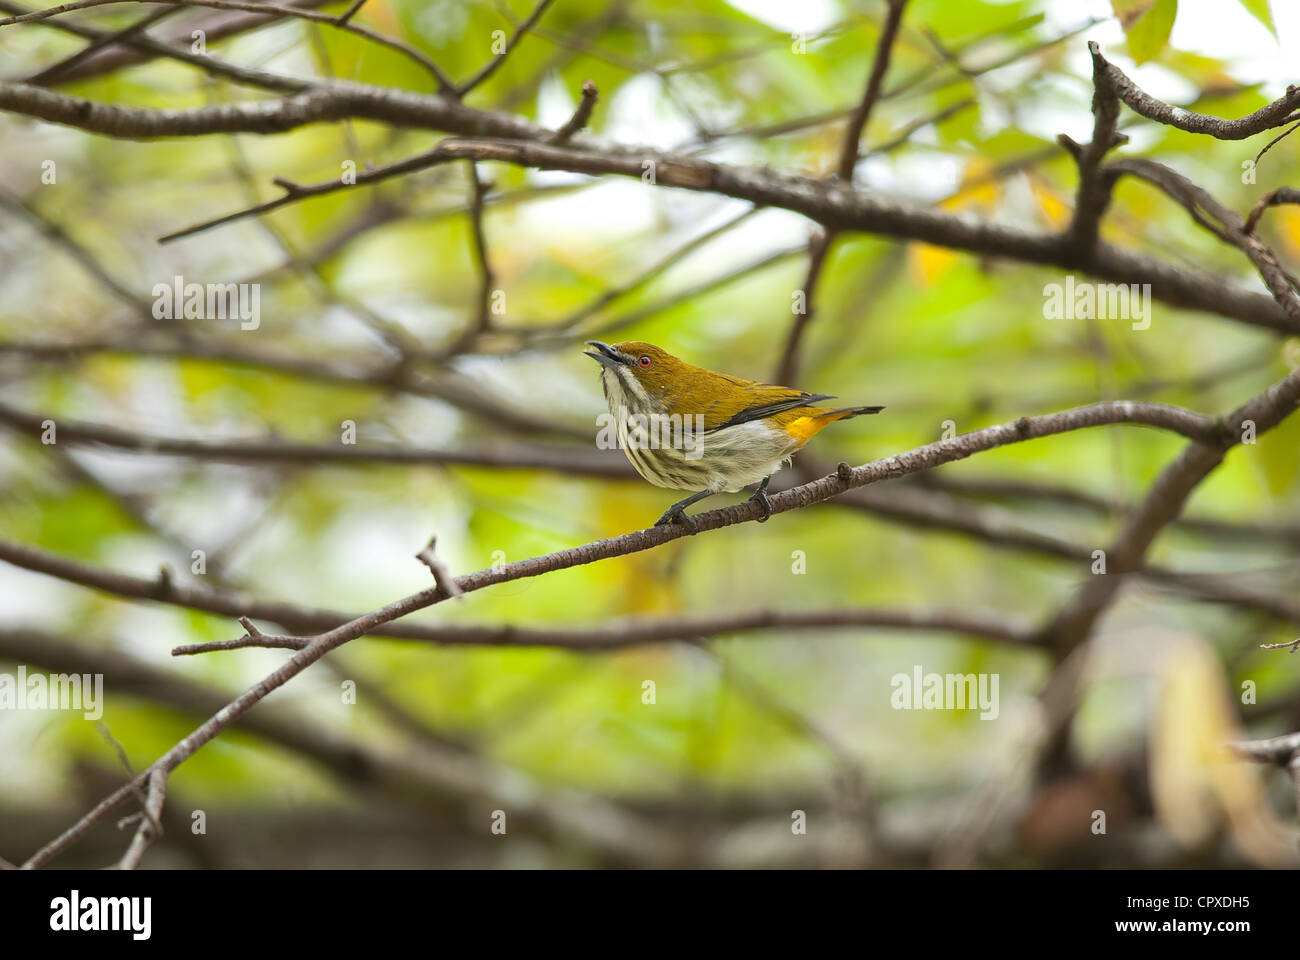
(875, 81)
(444, 83)
(648, 630)
(102, 61)
(487, 280)
(100, 43)
(294, 192)
(441, 575)
(149, 829)
(385, 374)
(1093, 194)
(1276, 140)
(431, 777)
(518, 456)
(351, 11)
(494, 64)
(1270, 407)
(1276, 114)
(1271, 199)
(1292, 645)
(1230, 227)
(1163, 502)
(787, 367)
(580, 116)
(80, 254)
(1276, 530)
(834, 206)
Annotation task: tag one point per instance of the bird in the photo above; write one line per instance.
(687, 428)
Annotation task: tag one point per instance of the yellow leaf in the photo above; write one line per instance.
(1055, 210)
(645, 584)
(1288, 227)
(380, 13)
(978, 190)
(1197, 787)
(927, 264)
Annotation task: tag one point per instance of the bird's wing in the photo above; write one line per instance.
(782, 399)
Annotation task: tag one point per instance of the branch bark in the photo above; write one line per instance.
(875, 82)
(832, 205)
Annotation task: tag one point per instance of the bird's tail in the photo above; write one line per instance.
(844, 413)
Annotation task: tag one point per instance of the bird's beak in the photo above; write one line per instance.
(606, 355)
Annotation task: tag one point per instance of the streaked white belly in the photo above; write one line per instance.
(719, 460)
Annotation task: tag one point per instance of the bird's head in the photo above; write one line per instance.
(641, 370)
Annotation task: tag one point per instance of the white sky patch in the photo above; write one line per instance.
(618, 206)
(1224, 30)
(806, 16)
(1221, 29)
(641, 113)
(555, 105)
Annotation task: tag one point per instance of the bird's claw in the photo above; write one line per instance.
(676, 515)
(760, 497)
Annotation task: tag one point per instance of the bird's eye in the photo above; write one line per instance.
(644, 360)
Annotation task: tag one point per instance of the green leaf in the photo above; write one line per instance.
(1147, 23)
(1259, 9)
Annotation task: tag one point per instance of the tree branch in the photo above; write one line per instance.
(846, 478)
(99, 43)
(834, 206)
(1093, 195)
(642, 631)
(149, 830)
(580, 116)
(1271, 199)
(430, 778)
(493, 65)
(875, 81)
(788, 366)
(214, 66)
(1276, 114)
(513, 456)
(444, 83)
(1230, 227)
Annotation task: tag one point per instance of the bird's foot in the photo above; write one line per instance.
(676, 514)
(760, 497)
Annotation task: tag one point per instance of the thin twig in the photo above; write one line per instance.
(497, 60)
(1271, 199)
(100, 43)
(441, 575)
(875, 82)
(818, 247)
(580, 116)
(294, 192)
(270, 9)
(150, 829)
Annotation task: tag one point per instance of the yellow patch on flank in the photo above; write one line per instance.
(804, 427)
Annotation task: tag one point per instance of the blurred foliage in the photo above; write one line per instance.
(935, 335)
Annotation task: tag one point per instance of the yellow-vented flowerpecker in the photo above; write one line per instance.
(687, 428)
